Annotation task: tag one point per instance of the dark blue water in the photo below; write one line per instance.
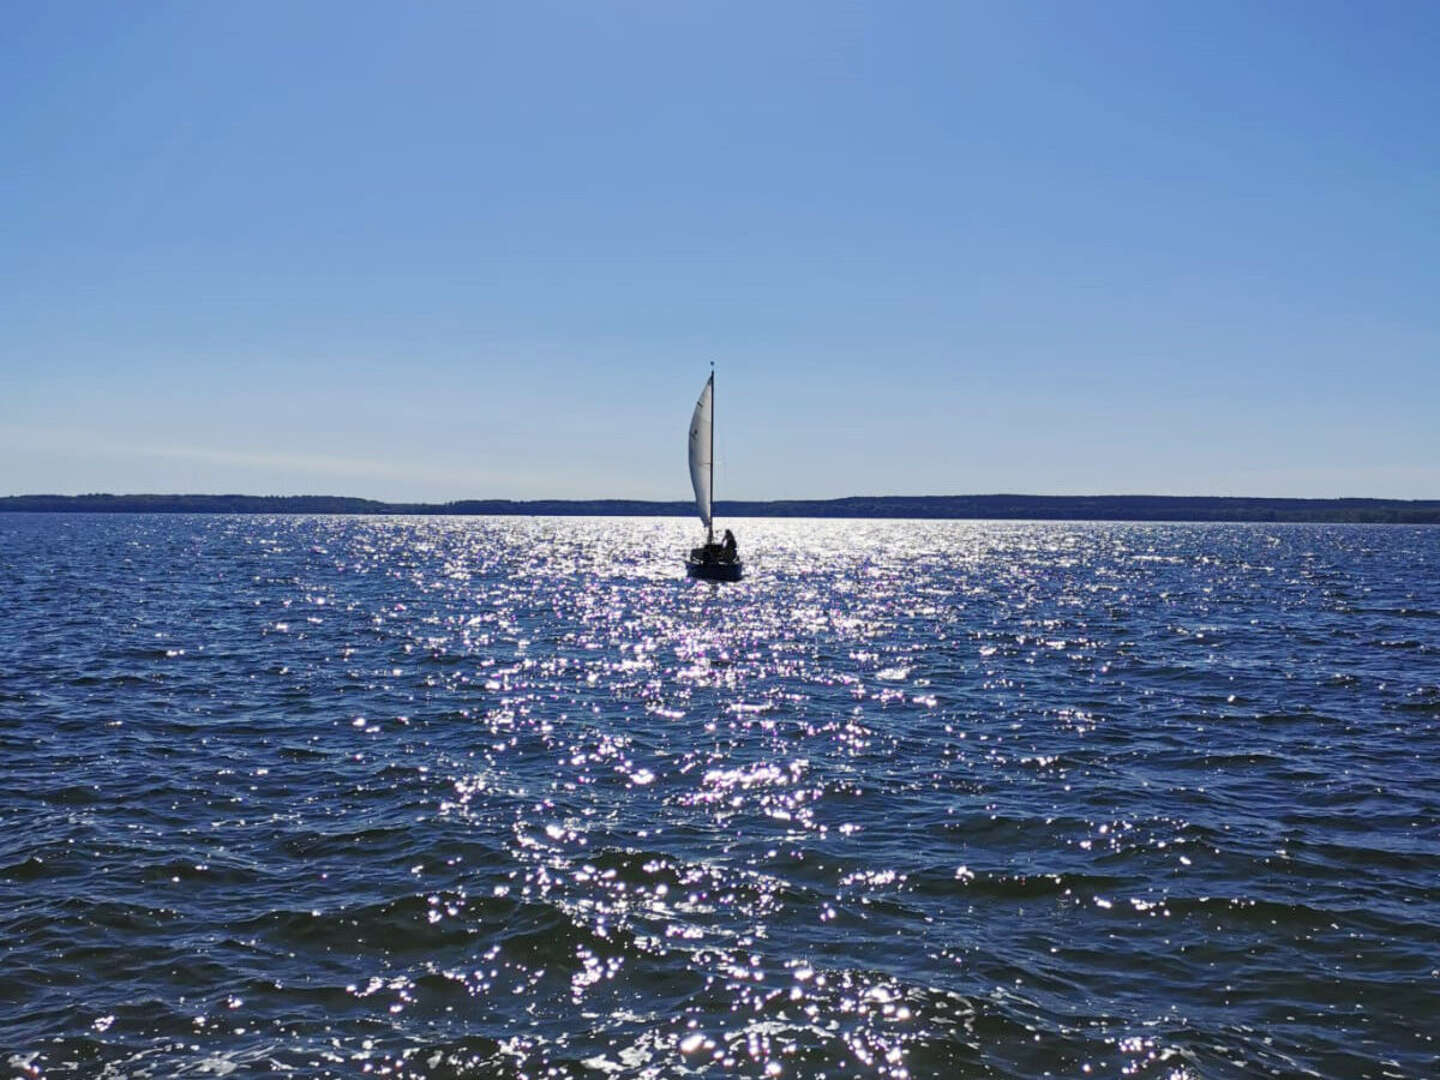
(510, 797)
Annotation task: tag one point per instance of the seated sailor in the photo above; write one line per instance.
(713, 552)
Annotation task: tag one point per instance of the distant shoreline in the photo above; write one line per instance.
(984, 507)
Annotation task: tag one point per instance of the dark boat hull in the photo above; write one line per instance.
(714, 571)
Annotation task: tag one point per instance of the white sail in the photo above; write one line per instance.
(700, 443)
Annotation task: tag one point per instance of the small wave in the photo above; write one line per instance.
(33, 868)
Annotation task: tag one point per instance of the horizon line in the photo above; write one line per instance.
(686, 502)
(997, 507)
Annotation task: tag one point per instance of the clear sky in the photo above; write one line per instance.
(464, 250)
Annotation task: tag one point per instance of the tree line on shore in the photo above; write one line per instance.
(992, 507)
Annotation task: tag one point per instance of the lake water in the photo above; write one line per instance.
(510, 797)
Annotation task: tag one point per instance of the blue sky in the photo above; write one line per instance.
(470, 250)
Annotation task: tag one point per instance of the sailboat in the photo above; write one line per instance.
(712, 561)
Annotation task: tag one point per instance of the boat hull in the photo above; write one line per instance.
(714, 571)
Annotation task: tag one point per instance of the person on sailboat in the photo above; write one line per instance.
(728, 548)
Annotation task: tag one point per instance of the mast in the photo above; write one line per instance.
(710, 529)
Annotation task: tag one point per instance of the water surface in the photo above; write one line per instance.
(511, 797)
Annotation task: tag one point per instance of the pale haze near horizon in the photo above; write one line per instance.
(489, 251)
